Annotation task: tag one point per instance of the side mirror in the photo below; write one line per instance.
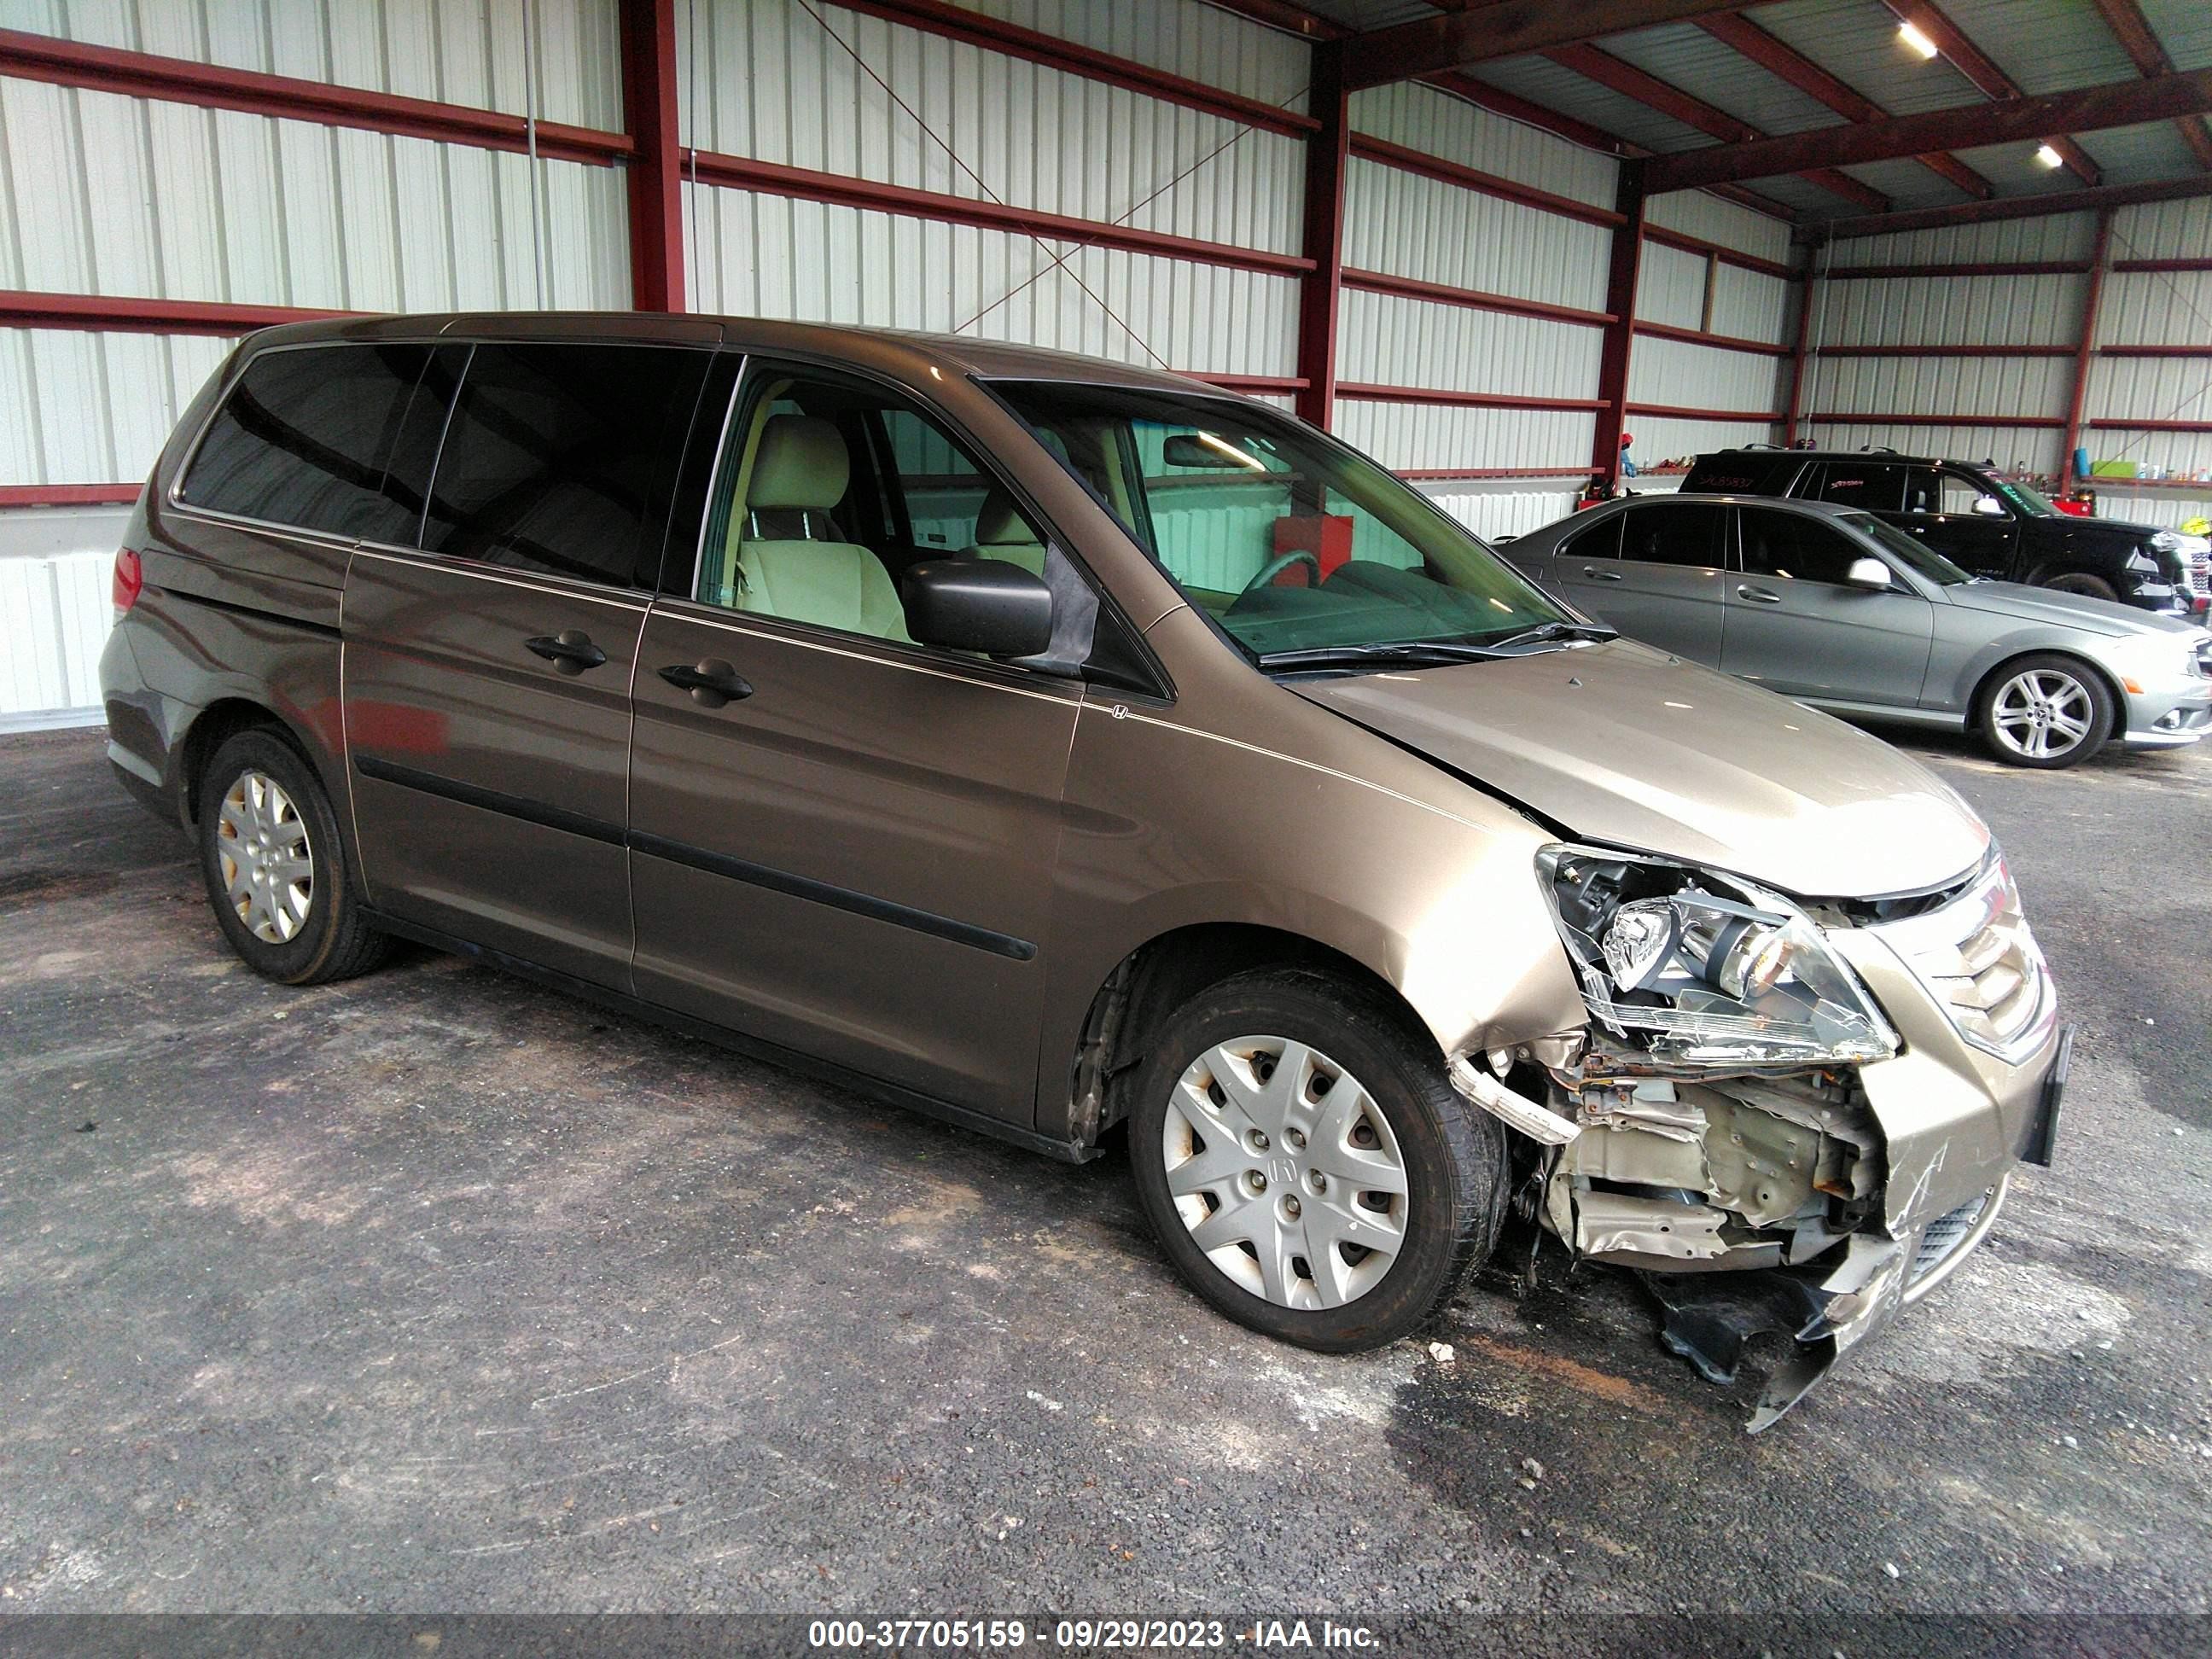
(985, 605)
(1988, 507)
(1867, 573)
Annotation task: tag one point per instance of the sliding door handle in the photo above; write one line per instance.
(571, 650)
(712, 683)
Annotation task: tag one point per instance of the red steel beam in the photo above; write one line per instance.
(2085, 349)
(656, 199)
(2150, 426)
(2088, 109)
(2162, 264)
(1691, 412)
(1799, 354)
(2021, 207)
(1505, 30)
(1515, 107)
(1321, 290)
(2153, 351)
(1368, 392)
(1718, 341)
(141, 75)
(1847, 418)
(114, 495)
(975, 28)
(1625, 78)
(1623, 264)
(2144, 50)
(774, 178)
(1488, 183)
(110, 314)
(1411, 287)
(1947, 351)
(1248, 383)
(1967, 268)
(1992, 82)
(1781, 59)
(1281, 15)
(1727, 255)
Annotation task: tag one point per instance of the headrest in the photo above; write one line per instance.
(801, 463)
(1000, 523)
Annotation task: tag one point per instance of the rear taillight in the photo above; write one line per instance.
(130, 577)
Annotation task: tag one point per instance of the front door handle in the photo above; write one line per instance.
(571, 650)
(1597, 575)
(712, 683)
(1759, 595)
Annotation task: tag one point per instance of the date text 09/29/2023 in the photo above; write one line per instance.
(1008, 1635)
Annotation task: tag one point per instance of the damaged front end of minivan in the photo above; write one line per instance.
(1792, 1118)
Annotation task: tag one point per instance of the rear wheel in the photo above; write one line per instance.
(2044, 711)
(1304, 1163)
(275, 869)
(2090, 587)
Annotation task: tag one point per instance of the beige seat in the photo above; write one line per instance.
(1001, 532)
(800, 472)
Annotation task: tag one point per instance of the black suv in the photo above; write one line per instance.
(1985, 523)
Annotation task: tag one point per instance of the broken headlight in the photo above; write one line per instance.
(1705, 969)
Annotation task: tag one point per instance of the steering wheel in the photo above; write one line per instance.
(1275, 567)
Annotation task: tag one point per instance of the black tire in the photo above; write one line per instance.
(1454, 1156)
(2088, 587)
(1988, 717)
(332, 940)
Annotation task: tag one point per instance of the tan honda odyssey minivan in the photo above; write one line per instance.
(1061, 748)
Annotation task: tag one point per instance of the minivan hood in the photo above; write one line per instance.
(1623, 744)
(2040, 605)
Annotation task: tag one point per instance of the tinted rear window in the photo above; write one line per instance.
(306, 438)
(1873, 486)
(1734, 474)
(1687, 534)
(559, 459)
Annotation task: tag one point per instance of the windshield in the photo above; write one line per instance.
(2033, 502)
(1913, 553)
(1292, 542)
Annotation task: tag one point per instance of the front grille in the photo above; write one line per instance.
(1944, 1236)
(1978, 959)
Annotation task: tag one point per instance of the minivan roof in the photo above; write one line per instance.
(884, 348)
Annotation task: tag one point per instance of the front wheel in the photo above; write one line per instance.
(1304, 1163)
(2044, 711)
(2088, 587)
(275, 868)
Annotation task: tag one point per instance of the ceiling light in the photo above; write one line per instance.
(2048, 157)
(1911, 34)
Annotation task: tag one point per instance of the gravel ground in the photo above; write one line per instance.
(438, 1291)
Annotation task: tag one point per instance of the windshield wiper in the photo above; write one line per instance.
(1555, 630)
(1424, 653)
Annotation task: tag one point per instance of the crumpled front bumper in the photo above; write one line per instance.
(1955, 1120)
(1712, 1317)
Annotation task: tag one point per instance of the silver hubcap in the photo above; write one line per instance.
(268, 863)
(2042, 714)
(1286, 1172)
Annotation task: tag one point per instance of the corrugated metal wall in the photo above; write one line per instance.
(2156, 308)
(857, 95)
(1407, 224)
(2138, 309)
(161, 201)
(775, 255)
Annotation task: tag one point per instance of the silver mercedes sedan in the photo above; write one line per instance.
(1833, 607)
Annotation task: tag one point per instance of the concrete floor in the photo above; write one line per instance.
(438, 1291)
